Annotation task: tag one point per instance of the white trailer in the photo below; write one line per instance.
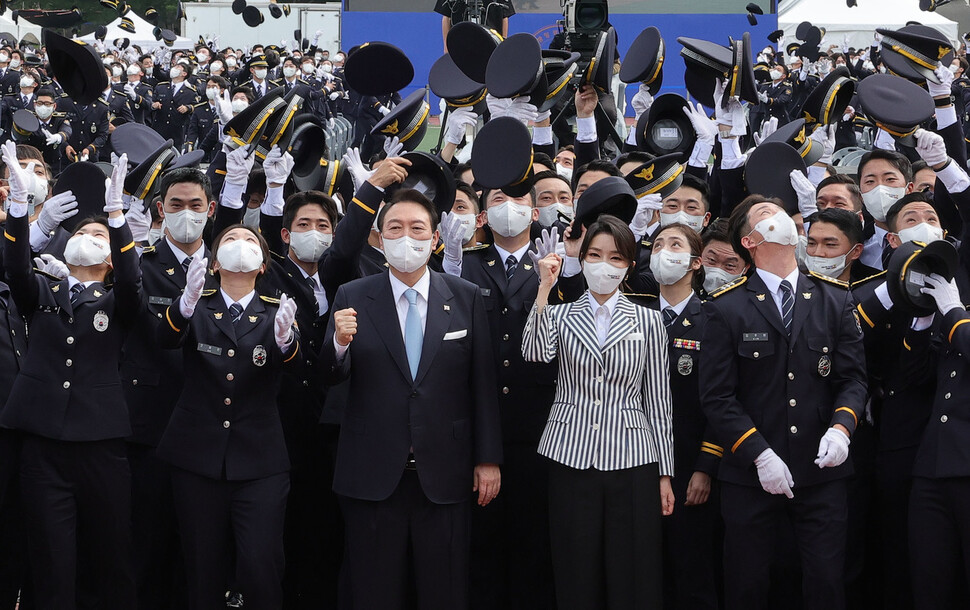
(215, 18)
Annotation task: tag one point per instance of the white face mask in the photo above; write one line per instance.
(240, 256)
(202, 57)
(309, 246)
(38, 191)
(669, 267)
(923, 233)
(715, 277)
(4, 58)
(880, 199)
(289, 71)
(174, 73)
(154, 235)
(307, 67)
(231, 62)
(185, 226)
(801, 252)
(775, 74)
(953, 69)
(550, 214)
(116, 71)
(260, 73)
(602, 277)
(468, 225)
(14, 64)
(26, 82)
(778, 229)
(867, 65)
(212, 92)
(509, 218)
(694, 222)
(251, 218)
(407, 254)
(239, 105)
(44, 112)
(831, 267)
(327, 68)
(133, 70)
(85, 250)
(215, 68)
(565, 172)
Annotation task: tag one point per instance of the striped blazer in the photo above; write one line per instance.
(613, 405)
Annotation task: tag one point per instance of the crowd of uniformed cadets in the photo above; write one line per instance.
(719, 364)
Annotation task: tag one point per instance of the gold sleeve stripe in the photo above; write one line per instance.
(851, 412)
(712, 449)
(169, 318)
(906, 345)
(361, 204)
(952, 330)
(743, 438)
(128, 247)
(865, 317)
(293, 355)
(9, 236)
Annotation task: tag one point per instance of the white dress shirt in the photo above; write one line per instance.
(872, 249)
(398, 288)
(603, 314)
(773, 282)
(679, 307)
(244, 302)
(179, 254)
(318, 291)
(518, 254)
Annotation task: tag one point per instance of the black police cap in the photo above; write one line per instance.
(24, 125)
(249, 125)
(151, 15)
(136, 140)
(665, 129)
(908, 267)
(895, 105)
(470, 46)
(612, 195)
(754, 8)
(662, 175)
(802, 30)
(430, 176)
(378, 68)
(238, 6)
(502, 156)
(141, 182)
(826, 103)
(920, 47)
(599, 72)
(705, 62)
(127, 25)
(78, 177)
(776, 36)
(768, 172)
(752, 20)
(252, 16)
(560, 67)
(408, 121)
(77, 67)
(741, 81)
(307, 145)
(279, 126)
(516, 69)
(645, 59)
(279, 10)
(795, 134)
(100, 32)
(451, 84)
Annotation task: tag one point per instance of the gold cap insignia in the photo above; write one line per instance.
(646, 173)
(390, 129)
(806, 295)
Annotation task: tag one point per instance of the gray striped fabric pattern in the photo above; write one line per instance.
(613, 404)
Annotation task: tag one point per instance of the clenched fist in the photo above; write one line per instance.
(345, 325)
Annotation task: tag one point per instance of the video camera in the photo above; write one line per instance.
(583, 20)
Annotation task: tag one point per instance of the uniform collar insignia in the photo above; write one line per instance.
(218, 315)
(806, 295)
(170, 271)
(491, 263)
(97, 294)
(252, 319)
(686, 322)
(760, 297)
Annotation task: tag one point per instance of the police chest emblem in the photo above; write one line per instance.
(259, 355)
(94, 128)
(685, 364)
(824, 366)
(100, 321)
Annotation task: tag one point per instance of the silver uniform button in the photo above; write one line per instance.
(792, 402)
(794, 429)
(946, 396)
(69, 362)
(756, 354)
(229, 377)
(791, 376)
(943, 418)
(70, 340)
(67, 384)
(225, 424)
(231, 353)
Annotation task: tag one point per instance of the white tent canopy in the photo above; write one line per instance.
(142, 37)
(19, 29)
(859, 22)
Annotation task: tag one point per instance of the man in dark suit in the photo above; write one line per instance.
(783, 384)
(173, 104)
(139, 94)
(90, 131)
(54, 123)
(9, 77)
(411, 444)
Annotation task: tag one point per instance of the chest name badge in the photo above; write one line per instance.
(754, 336)
(824, 366)
(259, 355)
(687, 344)
(209, 349)
(685, 364)
(100, 321)
(159, 300)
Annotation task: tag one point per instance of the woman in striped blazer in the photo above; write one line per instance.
(609, 432)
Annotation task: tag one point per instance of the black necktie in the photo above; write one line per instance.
(787, 304)
(511, 264)
(236, 311)
(76, 291)
(185, 263)
(887, 252)
(312, 283)
(669, 316)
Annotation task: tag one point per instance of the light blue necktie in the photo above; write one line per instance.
(413, 333)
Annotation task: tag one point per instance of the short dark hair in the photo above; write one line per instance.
(183, 175)
(297, 200)
(219, 80)
(626, 244)
(897, 160)
(897, 208)
(460, 169)
(692, 181)
(717, 230)
(543, 159)
(409, 196)
(696, 248)
(45, 91)
(850, 185)
(256, 182)
(738, 225)
(919, 166)
(247, 91)
(845, 221)
(467, 189)
(551, 174)
(596, 165)
(634, 156)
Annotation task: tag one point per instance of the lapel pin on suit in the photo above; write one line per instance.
(170, 271)
(97, 294)
(447, 307)
(252, 319)
(807, 295)
(491, 263)
(761, 297)
(218, 315)
(55, 287)
(686, 322)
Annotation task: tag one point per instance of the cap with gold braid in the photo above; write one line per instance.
(741, 81)
(77, 67)
(249, 125)
(407, 121)
(451, 84)
(644, 61)
(896, 105)
(502, 156)
(915, 50)
(705, 62)
(612, 195)
(828, 100)
(140, 182)
(662, 175)
(471, 45)
(795, 134)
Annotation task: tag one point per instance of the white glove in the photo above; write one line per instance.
(946, 294)
(642, 101)
(763, 97)
(52, 139)
(331, 123)
(51, 266)
(774, 474)
(277, 165)
(57, 208)
(20, 179)
(946, 82)
(705, 128)
(393, 147)
(931, 147)
(545, 245)
(876, 39)
(285, 316)
(824, 136)
(497, 106)
(458, 121)
(334, 95)
(85, 155)
(224, 107)
(646, 206)
(806, 193)
(452, 234)
(194, 283)
(518, 108)
(544, 115)
(130, 90)
(767, 128)
(139, 220)
(833, 449)
(114, 187)
(845, 43)
(384, 110)
(238, 164)
(316, 36)
(358, 171)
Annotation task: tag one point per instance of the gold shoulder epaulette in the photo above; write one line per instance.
(148, 250)
(866, 280)
(269, 300)
(830, 280)
(475, 248)
(209, 292)
(47, 275)
(729, 287)
(641, 295)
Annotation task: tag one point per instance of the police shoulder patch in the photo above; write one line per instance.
(829, 280)
(866, 280)
(728, 287)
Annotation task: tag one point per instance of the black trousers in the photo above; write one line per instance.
(407, 533)
(752, 517)
(511, 562)
(215, 514)
(692, 544)
(14, 574)
(77, 506)
(894, 480)
(606, 537)
(159, 567)
(939, 542)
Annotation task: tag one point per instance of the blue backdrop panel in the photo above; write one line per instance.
(419, 35)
